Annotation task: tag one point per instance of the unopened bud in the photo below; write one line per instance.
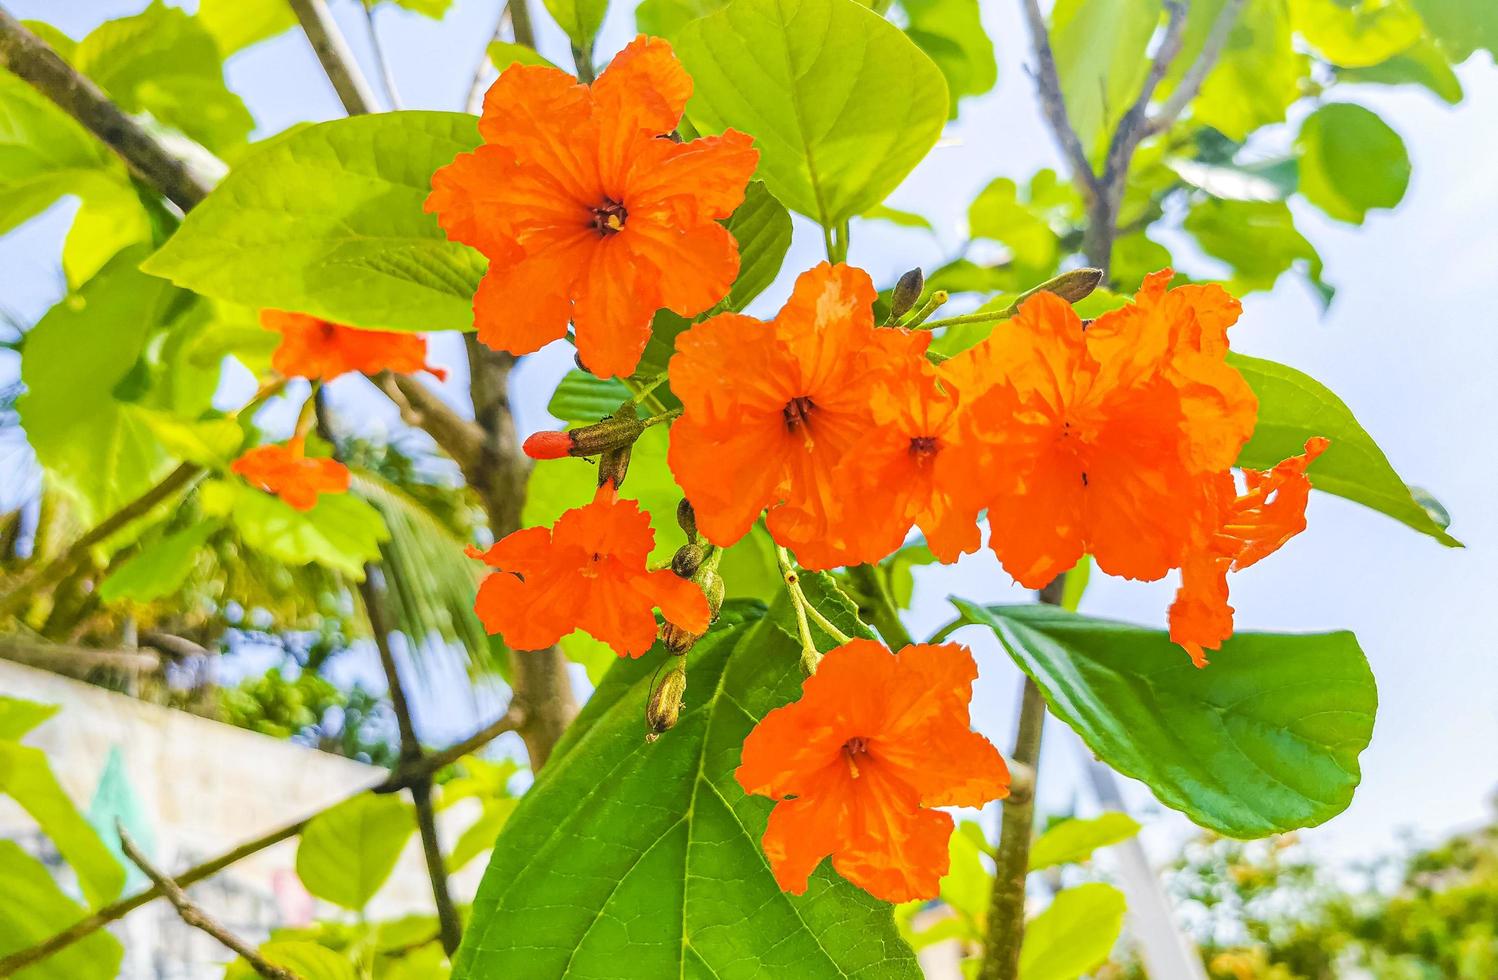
(686, 560)
(1073, 286)
(588, 440)
(548, 445)
(686, 519)
(665, 702)
(906, 292)
(714, 589)
(612, 466)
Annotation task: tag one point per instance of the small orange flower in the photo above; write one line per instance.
(1100, 437)
(318, 350)
(290, 474)
(771, 409)
(917, 465)
(586, 572)
(1243, 529)
(589, 210)
(876, 740)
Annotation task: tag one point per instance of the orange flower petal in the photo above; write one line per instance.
(522, 307)
(615, 303)
(695, 267)
(285, 471)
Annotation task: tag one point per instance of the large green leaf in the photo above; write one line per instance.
(348, 851)
(1461, 26)
(1073, 841)
(1258, 75)
(1351, 161)
(26, 777)
(762, 227)
(79, 411)
(341, 532)
(1099, 47)
(164, 62)
(635, 860)
(842, 105)
(237, 24)
(1358, 33)
(951, 32)
(1294, 407)
(33, 908)
(44, 154)
(306, 959)
(1258, 239)
(1265, 739)
(1074, 934)
(328, 220)
(160, 567)
(1421, 64)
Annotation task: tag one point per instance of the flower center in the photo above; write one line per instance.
(797, 412)
(853, 748)
(924, 446)
(609, 217)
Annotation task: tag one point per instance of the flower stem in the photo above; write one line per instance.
(810, 655)
(665, 416)
(646, 393)
(871, 583)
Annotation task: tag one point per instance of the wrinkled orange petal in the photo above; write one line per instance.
(615, 304)
(523, 307)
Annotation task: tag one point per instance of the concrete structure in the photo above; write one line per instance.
(204, 787)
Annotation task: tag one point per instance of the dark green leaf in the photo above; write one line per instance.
(1294, 407)
(582, 399)
(1351, 161)
(762, 227)
(636, 860)
(842, 105)
(1264, 740)
(328, 220)
(348, 851)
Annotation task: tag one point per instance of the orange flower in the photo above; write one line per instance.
(876, 740)
(1243, 529)
(319, 350)
(917, 465)
(589, 210)
(1100, 437)
(586, 572)
(770, 409)
(290, 474)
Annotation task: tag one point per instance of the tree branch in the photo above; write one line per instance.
(1191, 82)
(1053, 104)
(424, 409)
(338, 61)
(199, 919)
(34, 61)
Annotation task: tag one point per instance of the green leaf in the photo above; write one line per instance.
(348, 851)
(1099, 47)
(665, 18)
(904, 219)
(503, 54)
(160, 567)
(1257, 238)
(579, 19)
(435, 9)
(308, 960)
(1264, 740)
(17, 717)
(33, 908)
(480, 835)
(1258, 75)
(1074, 934)
(1294, 407)
(1351, 161)
(635, 860)
(1075, 585)
(1358, 33)
(1460, 26)
(328, 220)
(1421, 64)
(951, 32)
(842, 105)
(237, 24)
(999, 213)
(340, 533)
(96, 446)
(26, 777)
(762, 227)
(164, 62)
(1272, 180)
(582, 399)
(1073, 841)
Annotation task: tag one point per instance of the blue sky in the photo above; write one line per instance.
(1409, 343)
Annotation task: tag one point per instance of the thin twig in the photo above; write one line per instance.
(338, 61)
(474, 101)
(194, 916)
(1053, 104)
(387, 77)
(35, 62)
(1191, 82)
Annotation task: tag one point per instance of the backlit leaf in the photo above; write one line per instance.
(1351, 161)
(33, 908)
(1073, 841)
(1074, 934)
(348, 852)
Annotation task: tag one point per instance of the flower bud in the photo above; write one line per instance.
(548, 445)
(714, 589)
(610, 434)
(1073, 286)
(686, 519)
(612, 466)
(677, 640)
(906, 292)
(686, 560)
(665, 703)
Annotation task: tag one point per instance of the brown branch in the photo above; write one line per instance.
(74, 661)
(424, 409)
(34, 61)
(333, 52)
(1191, 82)
(399, 778)
(1053, 103)
(194, 916)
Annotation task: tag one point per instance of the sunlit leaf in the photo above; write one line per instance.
(951, 32)
(1073, 841)
(1258, 75)
(33, 908)
(160, 567)
(348, 851)
(1074, 934)
(1351, 161)
(237, 24)
(1358, 33)
(1099, 48)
